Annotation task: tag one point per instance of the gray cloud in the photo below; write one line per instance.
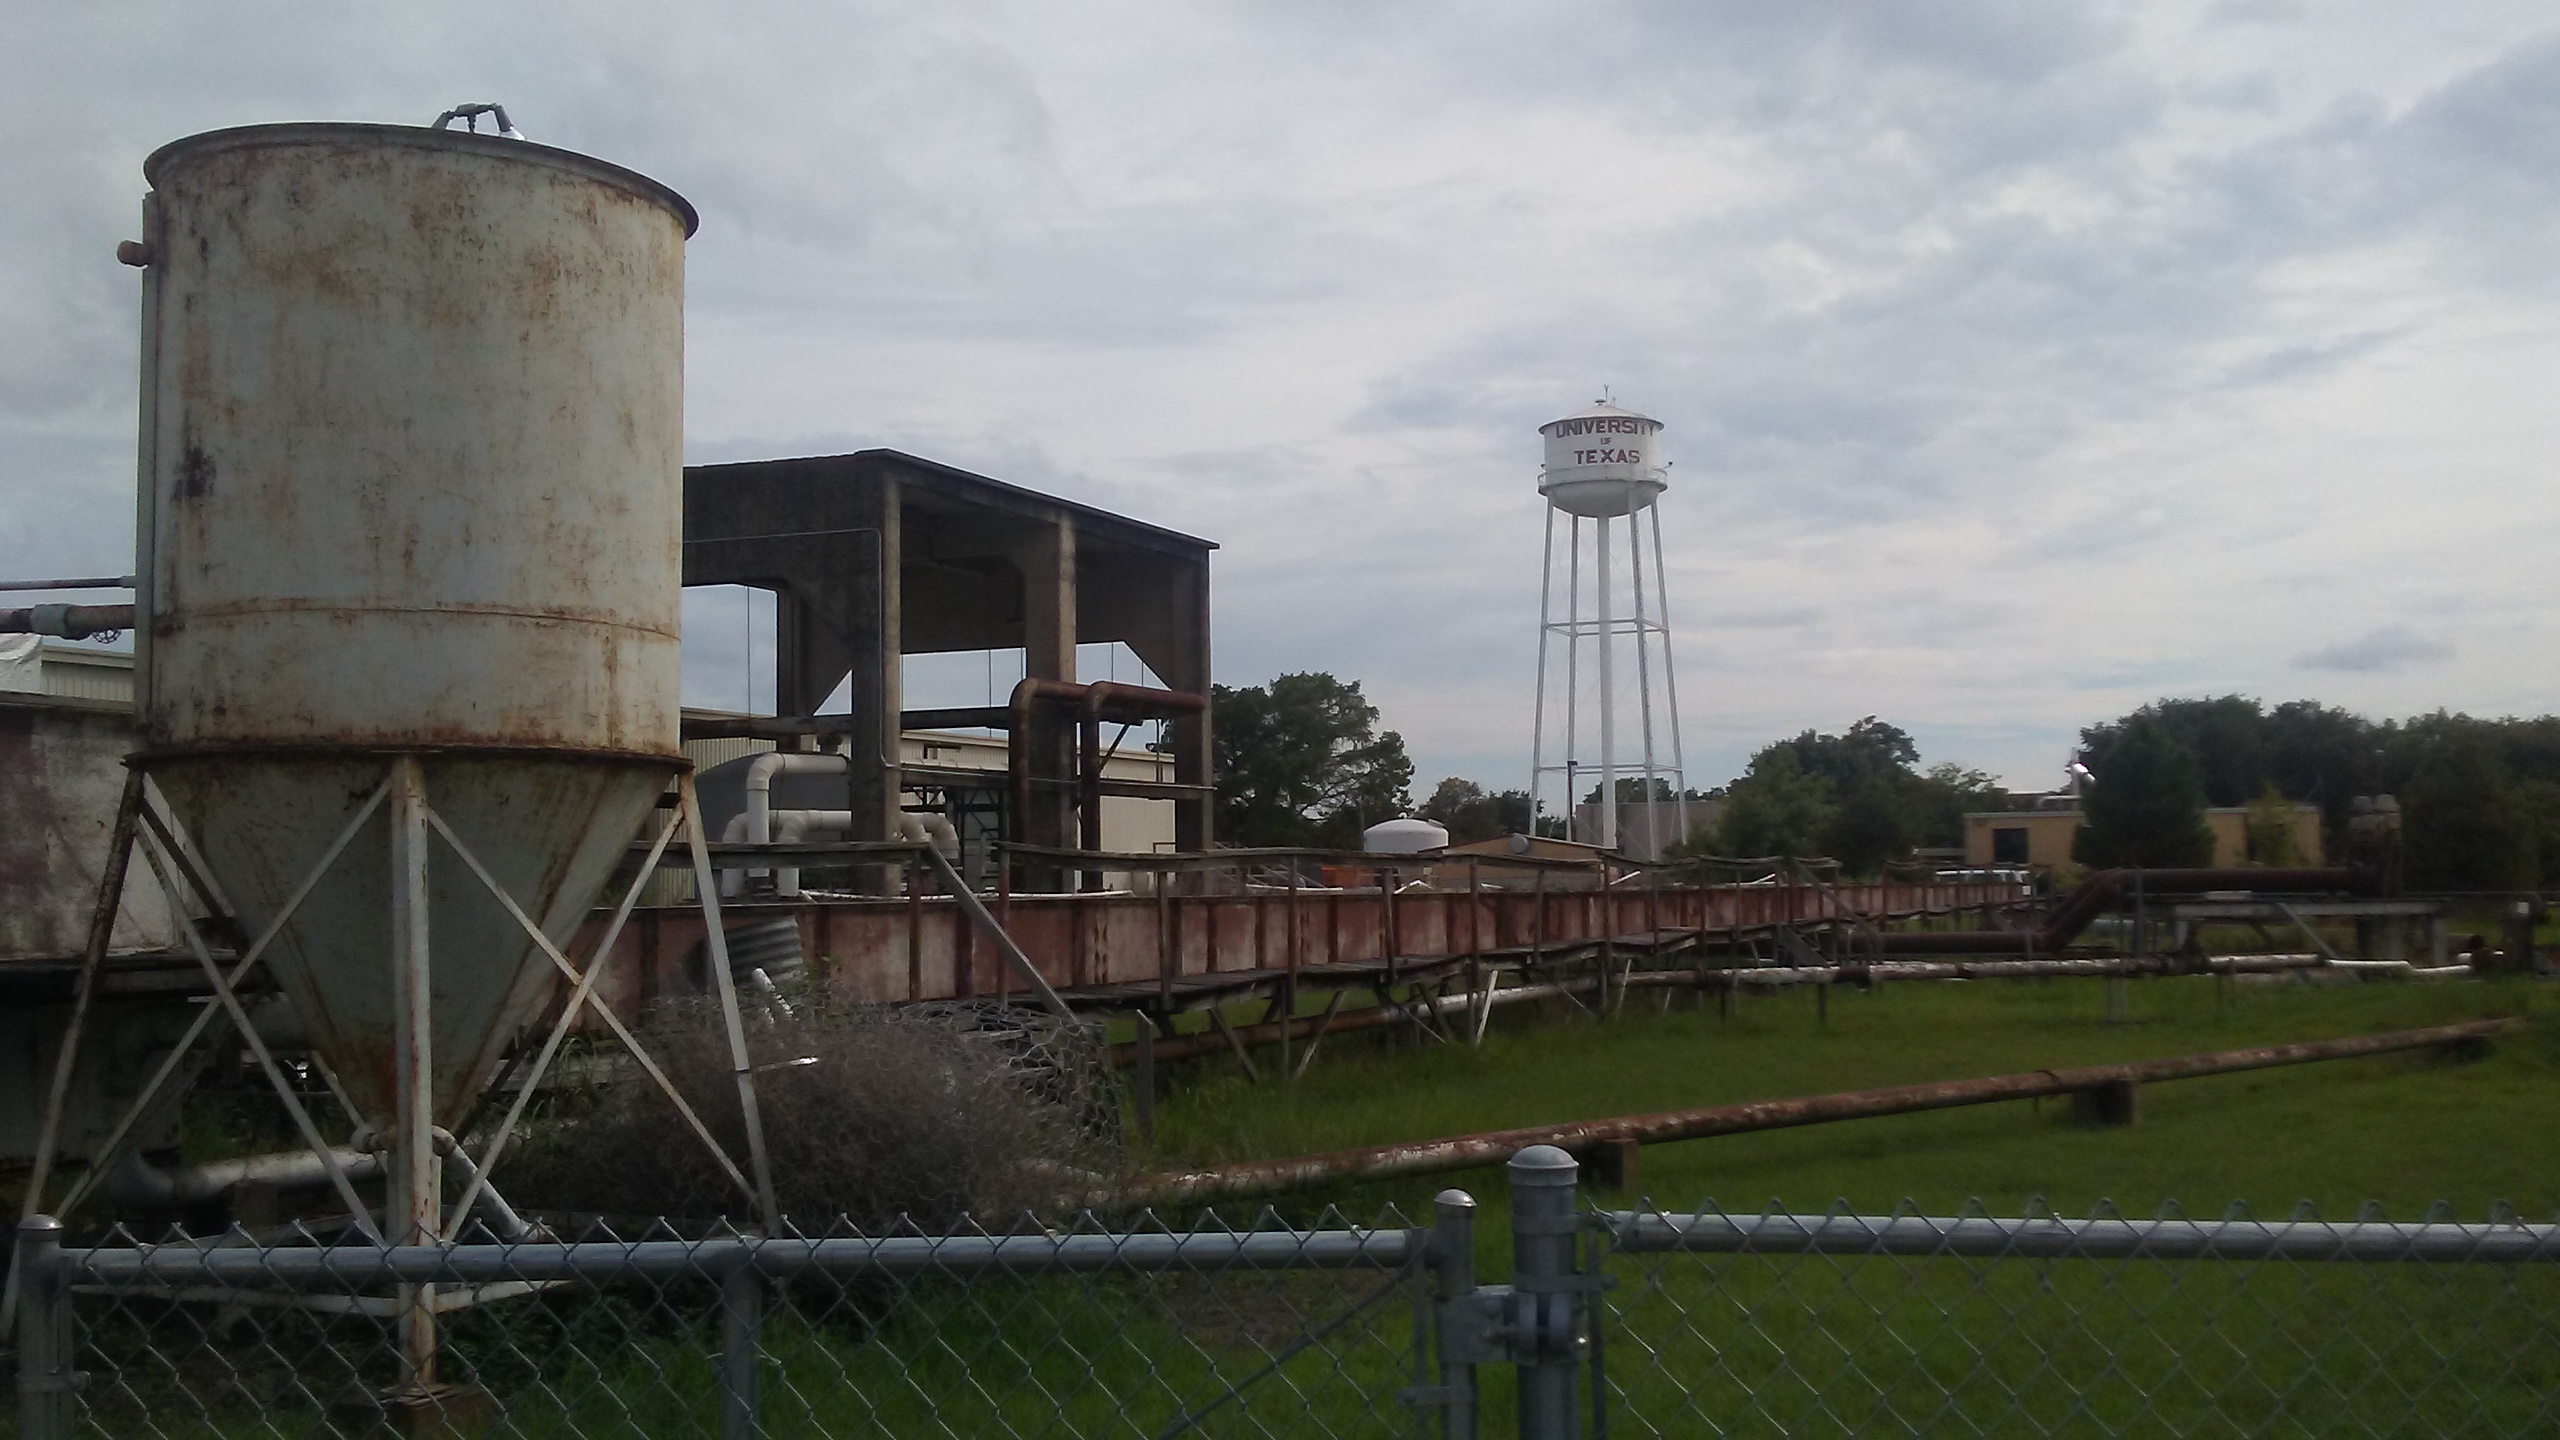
(2383, 650)
(2007, 348)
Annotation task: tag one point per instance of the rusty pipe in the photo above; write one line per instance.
(1466, 1152)
(1128, 703)
(2104, 889)
(1021, 738)
(1095, 703)
(68, 622)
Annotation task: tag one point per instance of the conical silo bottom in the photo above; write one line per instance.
(549, 828)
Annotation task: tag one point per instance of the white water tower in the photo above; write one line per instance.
(1603, 465)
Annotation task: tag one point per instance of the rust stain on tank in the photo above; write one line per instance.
(195, 473)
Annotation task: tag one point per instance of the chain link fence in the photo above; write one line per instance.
(1611, 1322)
(1140, 1330)
(1838, 1324)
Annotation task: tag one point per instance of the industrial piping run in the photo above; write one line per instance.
(1466, 1152)
(1093, 704)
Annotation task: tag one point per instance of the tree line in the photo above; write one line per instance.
(2479, 799)
(1302, 761)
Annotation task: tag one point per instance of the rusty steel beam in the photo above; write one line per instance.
(1467, 1152)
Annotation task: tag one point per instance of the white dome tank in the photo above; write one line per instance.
(1405, 836)
(1602, 462)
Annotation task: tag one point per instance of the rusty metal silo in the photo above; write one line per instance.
(411, 513)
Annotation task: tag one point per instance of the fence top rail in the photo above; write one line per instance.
(2053, 1238)
(174, 1264)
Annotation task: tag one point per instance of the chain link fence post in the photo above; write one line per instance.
(1453, 1268)
(741, 1348)
(46, 1407)
(1547, 1337)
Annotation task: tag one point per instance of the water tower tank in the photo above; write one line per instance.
(412, 433)
(1602, 462)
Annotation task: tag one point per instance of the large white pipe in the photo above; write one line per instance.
(790, 827)
(760, 773)
(933, 830)
(139, 1183)
(785, 826)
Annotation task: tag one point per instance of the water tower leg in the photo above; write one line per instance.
(1644, 692)
(1608, 693)
(1572, 678)
(1538, 705)
(1670, 686)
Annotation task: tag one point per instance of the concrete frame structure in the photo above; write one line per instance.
(877, 555)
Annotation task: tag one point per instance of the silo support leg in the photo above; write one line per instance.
(230, 1005)
(715, 942)
(113, 1150)
(621, 1032)
(412, 1208)
(102, 922)
(66, 1056)
(581, 996)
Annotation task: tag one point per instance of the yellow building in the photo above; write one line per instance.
(2042, 838)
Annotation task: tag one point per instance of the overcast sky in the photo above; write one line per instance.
(2021, 362)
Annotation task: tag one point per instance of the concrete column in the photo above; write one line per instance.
(1195, 824)
(843, 620)
(1048, 564)
(882, 711)
(1047, 559)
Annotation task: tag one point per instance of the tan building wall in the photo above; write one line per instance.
(2231, 836)
(2043, 837)
(1130, 826)
(1996, 837)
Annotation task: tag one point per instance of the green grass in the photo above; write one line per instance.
(1755, 1345)
(1792, 1346)
(2406, 1130)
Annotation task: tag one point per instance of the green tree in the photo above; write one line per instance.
(2467, 827)
(2539, 800)
(2146, 806)
(1853, 797)
(2325, 755)
(2270, 828)
(1776, 808)
(2226, 736)
(1869, 772)
(1632, 791)
(1946, 794)
(1302, 762)
(1470, 814)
